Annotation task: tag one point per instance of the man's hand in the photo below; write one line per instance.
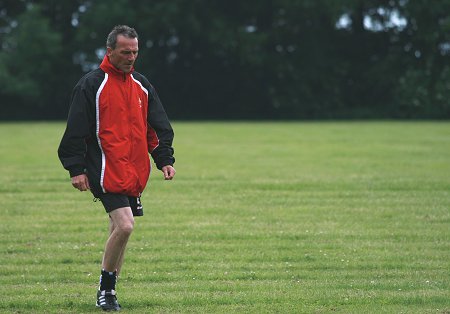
(81, 182)
(169, 172)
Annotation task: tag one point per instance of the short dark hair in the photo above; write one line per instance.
(123, 30)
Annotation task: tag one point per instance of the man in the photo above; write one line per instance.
(115, 120)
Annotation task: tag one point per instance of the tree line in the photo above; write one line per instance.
(264, 59)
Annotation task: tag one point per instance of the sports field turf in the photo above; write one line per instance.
(298, 217)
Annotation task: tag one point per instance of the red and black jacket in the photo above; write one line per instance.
(115, 120)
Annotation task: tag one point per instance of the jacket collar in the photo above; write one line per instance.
(109, 68)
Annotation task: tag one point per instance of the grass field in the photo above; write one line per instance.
(346, 217)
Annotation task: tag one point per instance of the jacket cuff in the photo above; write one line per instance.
(165, 162)
(76, 171)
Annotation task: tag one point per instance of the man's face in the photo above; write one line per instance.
(125, 53)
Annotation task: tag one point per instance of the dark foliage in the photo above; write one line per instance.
(269, 59)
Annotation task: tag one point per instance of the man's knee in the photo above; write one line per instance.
(123, 220)
(126, 227)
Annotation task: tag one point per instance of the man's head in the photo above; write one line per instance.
(122, 47)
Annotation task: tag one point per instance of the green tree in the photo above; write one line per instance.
(272, 59)
(28, 77)
(423, 89)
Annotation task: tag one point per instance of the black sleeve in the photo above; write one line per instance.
(158, 120)
(72, 149)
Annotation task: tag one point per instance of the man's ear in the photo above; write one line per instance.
(108, 51)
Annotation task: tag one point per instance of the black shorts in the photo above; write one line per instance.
(113, 201)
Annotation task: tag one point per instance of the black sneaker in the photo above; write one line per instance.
(107, 300)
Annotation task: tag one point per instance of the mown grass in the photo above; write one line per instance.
(261, 218)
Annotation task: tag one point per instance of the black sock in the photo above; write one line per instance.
(108, 280)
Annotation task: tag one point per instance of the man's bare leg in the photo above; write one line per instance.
(119, 264)
(121, 227)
